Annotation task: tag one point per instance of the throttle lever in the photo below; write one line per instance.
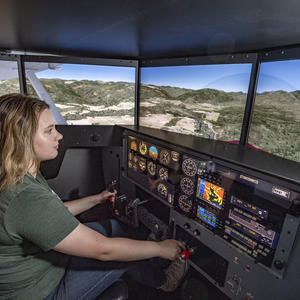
(111, 188)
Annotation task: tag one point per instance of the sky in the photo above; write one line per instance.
(280, 75)
(273, 76)
(90, 72)
(229, 78)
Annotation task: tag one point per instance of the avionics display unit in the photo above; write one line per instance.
(244, 222)
(243, 210)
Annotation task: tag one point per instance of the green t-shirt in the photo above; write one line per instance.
(33, 220)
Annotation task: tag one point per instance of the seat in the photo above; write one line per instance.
(117, 291)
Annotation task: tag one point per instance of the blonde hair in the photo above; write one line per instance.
(19, 116)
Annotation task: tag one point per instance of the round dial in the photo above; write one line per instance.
(133, 145)
(142, 164)
(185, 203)
(175, 156)
(189, 167)
(151, 168)
(187, 186)
(153, 152)
(165, 157)
(162, 190)
(130, 155)
(143, 148)
(130, 164)
(163, 173)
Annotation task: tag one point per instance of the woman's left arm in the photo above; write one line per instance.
(80, 205)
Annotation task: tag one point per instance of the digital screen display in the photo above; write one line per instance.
(213, 84)
(210, 193)
(274, 129)
(206, 216)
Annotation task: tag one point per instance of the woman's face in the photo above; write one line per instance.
(45, 141)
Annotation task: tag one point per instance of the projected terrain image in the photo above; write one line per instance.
(216, 114)
(214, 111)
(208, 113)
(83, 102)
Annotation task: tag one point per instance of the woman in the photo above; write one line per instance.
(45, 252)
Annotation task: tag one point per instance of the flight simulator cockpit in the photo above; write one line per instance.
(233, 208)
(203, 149)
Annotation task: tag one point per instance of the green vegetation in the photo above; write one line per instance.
(206, 112)
(9, 86)
(207, 95)
(275, 124)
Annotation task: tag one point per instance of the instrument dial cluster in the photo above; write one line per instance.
(189, 167)
(165, 157)
(151, 167)
(163, 173)
(187, 186)
(162, 190)
(185, 203)
(142, 164)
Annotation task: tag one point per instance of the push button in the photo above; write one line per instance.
(196, 232)
(187, 226)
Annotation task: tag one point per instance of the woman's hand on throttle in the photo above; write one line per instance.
(170, 249)
(104, 195)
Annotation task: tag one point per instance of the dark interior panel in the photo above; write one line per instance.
(80, 174)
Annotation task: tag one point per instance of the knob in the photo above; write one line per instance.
(196, 232)
(278, 264)
(187, 226)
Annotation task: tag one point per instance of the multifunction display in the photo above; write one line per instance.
(210, 193)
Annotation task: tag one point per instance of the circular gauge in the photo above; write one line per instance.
(130, 164)
(162, 190)
(135, 158)
(130, 155)
(187, 186)
(163, 173)
(153, 152)
(143, 148)
(189, 167)
(151, 168)
(185, 203)
(165, 157)
(135, 167)
(133, 145)
(142, 164)
(175, 156)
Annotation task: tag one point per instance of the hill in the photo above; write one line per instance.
(208, 113)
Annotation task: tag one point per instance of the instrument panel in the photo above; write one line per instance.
(245, 212)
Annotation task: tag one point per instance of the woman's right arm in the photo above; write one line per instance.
(85, 242)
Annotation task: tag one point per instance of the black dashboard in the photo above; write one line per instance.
(238, 209)
(242, 219)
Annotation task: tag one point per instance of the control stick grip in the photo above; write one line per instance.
(185, 254)
(111, 188)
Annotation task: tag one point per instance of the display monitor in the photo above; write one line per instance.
(85, 94)
(210, 193)
(275, 125)
(206, 216)
(9, 77)
(201, 100)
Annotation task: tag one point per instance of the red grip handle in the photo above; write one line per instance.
(185, 254)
